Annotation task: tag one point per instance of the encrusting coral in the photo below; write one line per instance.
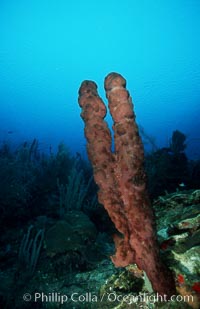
(121, 178)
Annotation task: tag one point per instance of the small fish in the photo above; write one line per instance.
(182, 185)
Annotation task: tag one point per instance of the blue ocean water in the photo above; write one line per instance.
(47, 49)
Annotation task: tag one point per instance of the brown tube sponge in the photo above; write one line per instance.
(121, 178)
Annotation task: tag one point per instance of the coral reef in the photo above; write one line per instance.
(121, 178)
(74, 254)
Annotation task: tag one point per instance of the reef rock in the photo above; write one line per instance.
(178, 225)
(71, 234)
